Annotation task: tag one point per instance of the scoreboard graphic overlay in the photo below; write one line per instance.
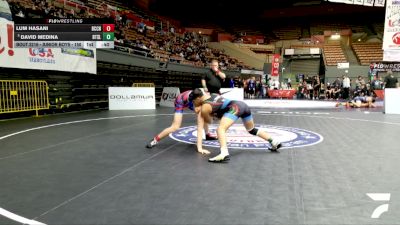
(64, 33)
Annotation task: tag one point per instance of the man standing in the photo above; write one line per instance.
(391, 81)
(346, 87)
(212, 80)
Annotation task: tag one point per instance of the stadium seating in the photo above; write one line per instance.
(368, 52)
(333, 54)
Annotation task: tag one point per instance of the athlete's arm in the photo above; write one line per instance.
(206, 113)
(200, 128)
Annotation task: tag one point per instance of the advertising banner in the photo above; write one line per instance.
(275, 65)
(131, 98)
(368, 2)
(391, 55)
(391, 35)
(168, 96)
(379, 3)
(384, 66)
(281, 93)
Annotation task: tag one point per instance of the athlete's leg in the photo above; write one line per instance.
(176, 124)
(208, 136)
(223, 126)
(225, 123)
(248, 122)
(367, 105)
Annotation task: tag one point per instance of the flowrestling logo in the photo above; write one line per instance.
(238, 137)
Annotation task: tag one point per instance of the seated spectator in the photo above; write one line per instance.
(140, 26)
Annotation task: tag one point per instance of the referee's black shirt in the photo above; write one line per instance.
(213, 81)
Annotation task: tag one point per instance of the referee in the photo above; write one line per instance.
(212, 80)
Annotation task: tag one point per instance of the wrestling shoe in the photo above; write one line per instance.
(151, 143)
(210, 138)
(275, 145)
(219, 158)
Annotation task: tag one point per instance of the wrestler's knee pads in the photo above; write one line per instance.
(253, 131)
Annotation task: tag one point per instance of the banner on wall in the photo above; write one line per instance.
(343, 65)
(61, 59)
(391, 55)
(275, 65)
(384, 66)
(168, 96)
(131, 98)
(358, 2)
(391, 35)
(256, 72)
(379, 3)
(368, 2)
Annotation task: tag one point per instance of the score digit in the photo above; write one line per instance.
(108, 36)
(108, 27)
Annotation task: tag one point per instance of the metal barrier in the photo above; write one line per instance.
(23, 95)
(143, 85)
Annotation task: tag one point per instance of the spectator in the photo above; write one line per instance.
(377, 83)
(251, 87)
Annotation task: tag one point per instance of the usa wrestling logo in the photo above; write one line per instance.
(238, 137)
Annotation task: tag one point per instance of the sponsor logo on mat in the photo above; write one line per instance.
(238, 137)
